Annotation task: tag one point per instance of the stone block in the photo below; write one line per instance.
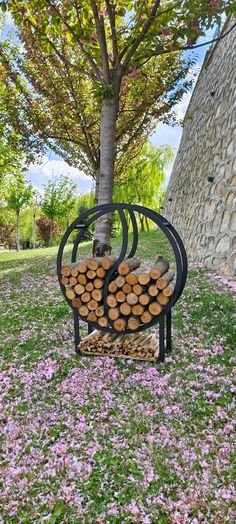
(223, 244)
(233, 222)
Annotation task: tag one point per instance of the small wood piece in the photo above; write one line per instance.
(132, 278)
(169, 290)
(97, 294)
(91, 274)
(112, 287)
(128, 265)
(71, 269)
(89, 287)
(70, 293)
(133, 323)
(162, 299)
(82, 268)
(86, 297)
(98, 283)
(159, 268)
(138, 289)
(92, 305)
(93, 263)
(65, 281)
(73, 281)
(144, 299)
(83, 311)
(92, 317)
(99, 311)
(155, 308)
(120, 296)
(125, 309)
(120, 281)
(79, 289)
(153, 291)
(82, 279)
(103, 321)
(120, 324)
(76, 302)
(108, 261)
(111, 301)
(165, 279)
(146, 317)
(137, 310)
(101, 272)
(127, 288)
(132, 299)
(113, 313)
(144, 278)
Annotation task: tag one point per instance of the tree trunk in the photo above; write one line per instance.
(107, 162)
(96, 187)
(18, 230)
(51, 231)
(34, 228)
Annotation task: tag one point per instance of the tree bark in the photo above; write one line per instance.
(107, 162)
(96, 187)
(18, 230)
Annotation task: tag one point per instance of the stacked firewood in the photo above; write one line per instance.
(139, 346)
(136, 293)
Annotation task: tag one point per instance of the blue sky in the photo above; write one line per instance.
(164, 134)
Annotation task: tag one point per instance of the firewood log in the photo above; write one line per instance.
(127, 288)
(108, 261)
(155, 308)
(83, 311)
(120, 296)
(76, 302)
(92, 317)
(86, 297)
(73, 269)
(103, 321)
(73, 281)
(159, 268)
(120, 324)
(92, 305)
(70, 293)
(128, 265)
(82, 279)
(81, 267)
(131, 278)
(146, 317)
(169, 290)
(133, 323)
(97, 294)
(144, 299)
(98, 283)
(99, 311)
(125, 309)
(91, 274)
(79, 289)
(162, 299)
(144, 278)
(101, 273)
(137, 310)
(138, 289)
(93, 263)
(120, 281)
(113, 313)
(153, 291)
(132, 299)
(112, 287)
(165, 279)
(111, 301)
(89, 287)
(65, 281)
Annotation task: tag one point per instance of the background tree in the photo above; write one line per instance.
(58, 199)
(19, 194)
(47, 229)
(115, 67)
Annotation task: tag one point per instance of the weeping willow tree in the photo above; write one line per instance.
(142, 180)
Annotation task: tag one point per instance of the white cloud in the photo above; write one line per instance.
(41, 174)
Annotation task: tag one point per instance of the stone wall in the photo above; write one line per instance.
(203, 210)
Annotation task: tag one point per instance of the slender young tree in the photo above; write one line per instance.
(19, 194)
(115, 66)
(58, 199)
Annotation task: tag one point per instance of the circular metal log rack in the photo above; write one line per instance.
(89, 217)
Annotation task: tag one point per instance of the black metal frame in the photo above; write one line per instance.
(84, 221)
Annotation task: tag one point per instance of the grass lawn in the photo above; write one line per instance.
(108, 440)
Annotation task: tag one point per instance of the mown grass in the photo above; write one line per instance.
(102, 440)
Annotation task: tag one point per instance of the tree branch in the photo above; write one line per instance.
(102, 40)
(142, 35)
(96, 70)
(113, 29)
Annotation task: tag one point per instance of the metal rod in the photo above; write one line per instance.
(161, 357)
(168, 332)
